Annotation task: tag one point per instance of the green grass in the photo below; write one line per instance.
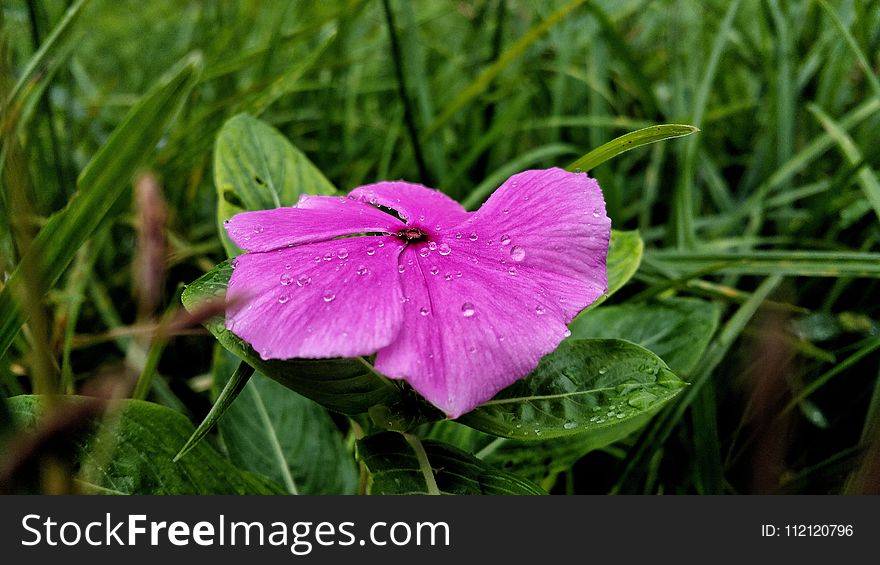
(772, 207)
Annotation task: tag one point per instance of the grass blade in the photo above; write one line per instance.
(100, 185)
(628, 141)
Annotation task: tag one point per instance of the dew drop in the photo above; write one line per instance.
(328, 256)
(517, 253)
(468, 310)
(458, 274)
(603, 370)
(423, 311)
(287, 266)
(380, 244)
(539, 310)
(569, 425)
(342, 253)
(434, 270)
(432, 245)
(448, 276)
(401, 269)
(283, 299)
(424, 252)
(620, 415)
(595, 214)
(329, 296)
(506, 211)
(371, 250)
(505, 240)
(303, 280)
(511, 271)
(285, 279)
(566, 333)
(457, 234)
(362, 270)
(444, 249)
(259, 229)
(473, 236)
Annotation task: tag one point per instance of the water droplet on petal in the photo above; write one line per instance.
(511, 271)
(287, 266)
(380, 244)
(283, 299)
(371, 250)
(401, 269)
(432, 245)
(473, 236)
(595, 214)
(517, 253)
(434, 270)
(342, 253)
(505, 240)
(328, 256)
(329, 296)
(506, 211)
(259, 229)
(285, 279)
(303, 280)
(458, 274)
(457, 234)
(468, 310)
(423, 311)
(539, 310)
(445, 249)
(362, 270)
(566, 333)
(424, 252)
(448, 276)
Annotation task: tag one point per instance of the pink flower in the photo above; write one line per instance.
(459, 304)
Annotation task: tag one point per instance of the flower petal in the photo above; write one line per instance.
(416, 204)
(551, 226)
(336, 298)
(494, 295)
(314, 218)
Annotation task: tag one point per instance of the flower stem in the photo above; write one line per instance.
(424, 464)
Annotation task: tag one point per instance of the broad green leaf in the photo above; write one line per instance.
(102, 183)
(275, 432)
(624, 258)
(394, 468)
(350, 386)
(678, 330)
(131, 452)
(585, 385)
(542, 461)
(628, 141)
(257, 168)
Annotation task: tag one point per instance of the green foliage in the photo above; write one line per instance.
(130, 451)
(585, 385)
(395, 468)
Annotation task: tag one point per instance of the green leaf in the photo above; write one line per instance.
(542, 461)
(624, 258)
(257, 168)
(131, 452)
(678, 330)
(275, 432)
(585, 385)
(394, 468)
(628, 141)
(350, 386)
(102, 183)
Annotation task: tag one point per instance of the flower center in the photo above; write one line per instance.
(412, 235)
